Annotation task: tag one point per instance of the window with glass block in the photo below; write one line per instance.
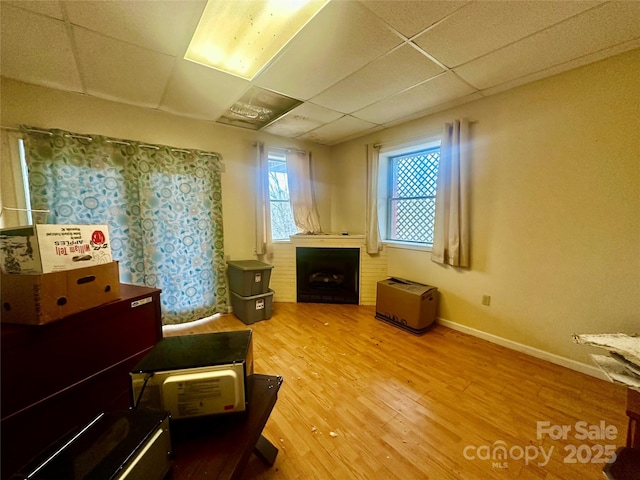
(412, 196)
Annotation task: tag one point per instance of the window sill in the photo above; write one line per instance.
(408, 246)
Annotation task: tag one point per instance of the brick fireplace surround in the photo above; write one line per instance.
(283, 276)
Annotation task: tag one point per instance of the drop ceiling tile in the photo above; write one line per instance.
(162, 26)
(395, 71)
(36, 49)
(120, 71)
(50, 8)
(333, 132)
(563, 67)
(342, 38)
(348, 41)
(482, 27)
(200, 92)
(357, 134)
(302, 119)
(438, 108)
(596, 29)
(412, 17)
(436, 91)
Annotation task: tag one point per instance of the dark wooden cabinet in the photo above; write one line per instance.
(57, 377)
(633, 412)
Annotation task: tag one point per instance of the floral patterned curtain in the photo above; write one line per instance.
(163, 206)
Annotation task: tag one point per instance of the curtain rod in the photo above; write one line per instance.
(81, 137)
(119, 142)
(14, 129)
(45, 132)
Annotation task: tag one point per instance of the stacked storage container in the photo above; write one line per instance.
(251, 297)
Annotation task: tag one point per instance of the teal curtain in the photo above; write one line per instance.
(163, 206)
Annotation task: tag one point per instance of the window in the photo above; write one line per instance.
(282, 224)
(411, 194)
(15, 202)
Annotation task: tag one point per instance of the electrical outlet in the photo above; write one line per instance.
(486, 300)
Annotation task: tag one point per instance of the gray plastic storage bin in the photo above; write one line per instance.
(252, 309)
(249, 277)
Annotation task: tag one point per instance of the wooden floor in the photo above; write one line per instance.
(364, 400)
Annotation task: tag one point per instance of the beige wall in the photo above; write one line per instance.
(555, 209)
(46, 108)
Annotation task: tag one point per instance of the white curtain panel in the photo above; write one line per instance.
(451, 226)
(305, 212)
(373, 241)
(264, 245)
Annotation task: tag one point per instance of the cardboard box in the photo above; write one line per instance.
(53, 248)
(36, 299)
(409, 305)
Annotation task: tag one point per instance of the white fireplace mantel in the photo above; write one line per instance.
(294, 238)
(283, 277)
(327, 239)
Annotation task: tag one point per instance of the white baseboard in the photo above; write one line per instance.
(520, 347)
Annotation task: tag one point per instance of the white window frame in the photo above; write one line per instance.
(276, 154)
(15, 201)
(383, 182)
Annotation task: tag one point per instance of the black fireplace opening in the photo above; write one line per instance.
(328, 275)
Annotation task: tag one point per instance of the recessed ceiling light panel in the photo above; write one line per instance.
(242, 36)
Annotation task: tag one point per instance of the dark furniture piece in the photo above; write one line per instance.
(219, 447)
(633, 412)
(627, 463)
(120, 444)
(626, 466)
(58, 376)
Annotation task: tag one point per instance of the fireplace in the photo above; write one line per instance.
(327, 275)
